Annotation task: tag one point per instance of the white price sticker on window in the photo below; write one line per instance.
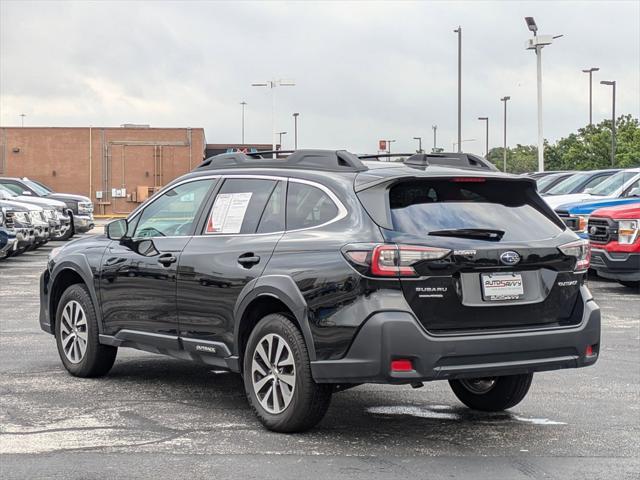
(227, 213)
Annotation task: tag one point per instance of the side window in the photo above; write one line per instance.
(273, 216)
(308, 206)
(633, 190)
(174, 212)
(239, 206)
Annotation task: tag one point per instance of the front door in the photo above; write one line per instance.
(138, 273)
(242, 228)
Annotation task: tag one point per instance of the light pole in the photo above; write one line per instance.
(22, 115)
(295, 130)
(272, 84)
(243, 103)
(280, 134)
(419, 144)
(613, 119)
(459, 32)
(389, 142)
(537, 43)
(435, 130)
(486, 120)
(590, 72)
(504, 148)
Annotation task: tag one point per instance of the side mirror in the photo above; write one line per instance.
(635, 192)
(117, 229)
(26, 192)
(587, 190)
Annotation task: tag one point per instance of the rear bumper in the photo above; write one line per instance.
(616, 265)
(391, 335)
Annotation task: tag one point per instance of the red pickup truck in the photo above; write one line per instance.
(614, 234)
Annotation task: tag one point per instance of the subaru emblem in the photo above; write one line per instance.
(509, 258)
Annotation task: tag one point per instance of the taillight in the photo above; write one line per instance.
(579, 249)
(398, 260)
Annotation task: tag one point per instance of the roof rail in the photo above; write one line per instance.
(370, 156)
(327, 160)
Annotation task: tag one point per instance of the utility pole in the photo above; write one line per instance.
(537, 43)
(280, 134)
(272, 84)
(419, 144)
(389, 147)
(435, 130)
(22, 115)
(243, 103)
(504, 148)
(295, 130)
(459, 32)
(486, 120)
(590, 72)
(613, 119)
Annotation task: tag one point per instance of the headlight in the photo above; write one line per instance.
(628, 231)
(583, 221)
(2, 217)
(579, 249)
(22, 217)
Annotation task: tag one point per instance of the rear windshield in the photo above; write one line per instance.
(425, 207)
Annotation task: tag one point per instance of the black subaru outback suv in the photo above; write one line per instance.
(323, 270)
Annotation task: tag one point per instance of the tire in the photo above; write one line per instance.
(492, 394)
(308, 401)
(630, 283)
(95, 360)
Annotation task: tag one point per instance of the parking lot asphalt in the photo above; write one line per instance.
(157, 417)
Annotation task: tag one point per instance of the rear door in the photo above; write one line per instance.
(242, 226)
(504, 270)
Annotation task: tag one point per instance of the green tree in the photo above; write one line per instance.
(587, 149)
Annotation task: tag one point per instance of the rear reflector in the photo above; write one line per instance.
(402, 365)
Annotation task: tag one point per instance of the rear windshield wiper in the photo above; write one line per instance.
(479, 233)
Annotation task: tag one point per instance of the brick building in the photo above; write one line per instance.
(116, 167)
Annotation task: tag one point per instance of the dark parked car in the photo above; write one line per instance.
(80, 208)
(319, 271)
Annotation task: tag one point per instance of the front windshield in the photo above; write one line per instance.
(36, 187)
(568, 184)
(613, 183)
(9, 193)
(544, 181)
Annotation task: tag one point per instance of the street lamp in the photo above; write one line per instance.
(435, 130)
(389, 142)
(272, 84)
(280, 134)
(486, 120)
(504, 148)
(613, 119)
(243, 103)
(459, 32)
(537, 43)
(590, 72)
(22, 115)
(295, 130)
(419, 144)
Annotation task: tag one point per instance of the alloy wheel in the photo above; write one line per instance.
(273, 373)
(73, 332)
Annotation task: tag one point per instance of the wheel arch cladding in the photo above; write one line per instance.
(64, 276)
(272, 294)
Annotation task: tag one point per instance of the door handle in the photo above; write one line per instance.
(248, 260)
(167, 259)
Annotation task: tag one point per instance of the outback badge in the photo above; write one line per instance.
(509, 258)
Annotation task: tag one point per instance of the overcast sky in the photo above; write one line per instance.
(363, 70)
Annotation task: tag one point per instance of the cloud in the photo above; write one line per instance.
(363, 70)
